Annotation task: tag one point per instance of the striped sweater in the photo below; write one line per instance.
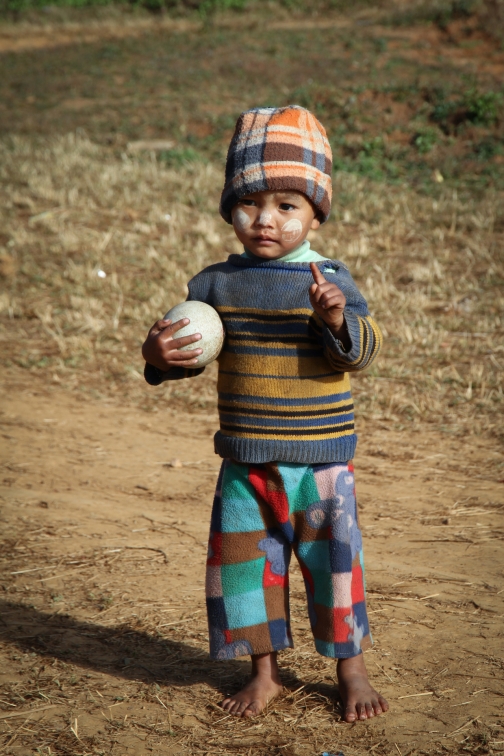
(283, 385)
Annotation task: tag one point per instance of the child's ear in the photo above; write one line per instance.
(315, 224)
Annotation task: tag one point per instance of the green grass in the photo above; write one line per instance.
(386, 114)
(426, 139)
(202, 7)
(440, 12)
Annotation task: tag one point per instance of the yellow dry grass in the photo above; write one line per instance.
(431, 268)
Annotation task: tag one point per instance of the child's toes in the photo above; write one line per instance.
(362, 709)
(252, 710)
(377, 709)
(383, 704)
(370, 712)
(242, 708)
(231, 705)
(351, 714)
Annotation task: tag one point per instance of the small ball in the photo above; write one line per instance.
(205, 320)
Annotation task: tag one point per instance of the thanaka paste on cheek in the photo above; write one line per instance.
(292, 230)
(241, 220)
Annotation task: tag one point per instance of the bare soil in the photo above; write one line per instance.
(105, 516)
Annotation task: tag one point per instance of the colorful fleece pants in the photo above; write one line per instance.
(262, 512)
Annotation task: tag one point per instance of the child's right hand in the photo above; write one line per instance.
(162, 350)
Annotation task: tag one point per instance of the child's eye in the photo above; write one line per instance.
(287, 206)
(247, 202)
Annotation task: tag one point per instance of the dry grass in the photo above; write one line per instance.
(430, 266)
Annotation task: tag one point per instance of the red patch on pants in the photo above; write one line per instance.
(341, 628)
(308, 577)
(216, 549)
(269, 577)
(357, 585)
(277, 500)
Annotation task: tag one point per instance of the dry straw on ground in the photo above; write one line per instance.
(430, 267)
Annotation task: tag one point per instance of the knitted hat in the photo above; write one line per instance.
(280, 149)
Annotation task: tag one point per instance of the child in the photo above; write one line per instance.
(296, 326)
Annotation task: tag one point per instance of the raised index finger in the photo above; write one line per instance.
(317, 275)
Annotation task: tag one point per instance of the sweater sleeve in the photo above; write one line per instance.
(366, 340)
(155, 377)
(365, 335)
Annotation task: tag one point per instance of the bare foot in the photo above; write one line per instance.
(360, 700)
(263, 685)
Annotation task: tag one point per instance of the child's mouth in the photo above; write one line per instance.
(264, 240)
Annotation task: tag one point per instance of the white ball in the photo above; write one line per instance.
(205, 320)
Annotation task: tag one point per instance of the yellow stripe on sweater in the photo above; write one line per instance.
(259, 433)
(274, 366)
(264, 406)
(311, 388)
(243, 311)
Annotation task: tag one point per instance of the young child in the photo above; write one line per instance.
(296, 325)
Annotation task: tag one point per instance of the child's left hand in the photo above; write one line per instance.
(327, 300)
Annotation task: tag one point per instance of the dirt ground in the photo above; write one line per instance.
(105, 513)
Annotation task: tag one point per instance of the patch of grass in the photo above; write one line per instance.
(482, 108)
(366, 157)
(474, 105)
(179, 156)
(203, 7)
(440, 12)
(212, 6)
(179, 85)
(18, 6)
(488, 148)
(425, 139)
(321, 99)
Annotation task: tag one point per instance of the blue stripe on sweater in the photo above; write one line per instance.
(288, 412)
(301, 401)
(268, 338)
(331, 374)
(248, 326)
(276, 422)
(286, 351)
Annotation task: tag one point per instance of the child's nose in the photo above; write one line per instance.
(264, 218)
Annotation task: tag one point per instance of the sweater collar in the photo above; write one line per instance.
(241, 261)
(302, 254)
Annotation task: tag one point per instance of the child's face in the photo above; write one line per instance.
(271, 224)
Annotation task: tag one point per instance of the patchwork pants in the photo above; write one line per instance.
(260, 514)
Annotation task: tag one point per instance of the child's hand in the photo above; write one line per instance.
(327, 300)
(163, 351)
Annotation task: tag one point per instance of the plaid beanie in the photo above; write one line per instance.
(280, 149)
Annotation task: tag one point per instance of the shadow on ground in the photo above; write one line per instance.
(119, 650)
(126, 652)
